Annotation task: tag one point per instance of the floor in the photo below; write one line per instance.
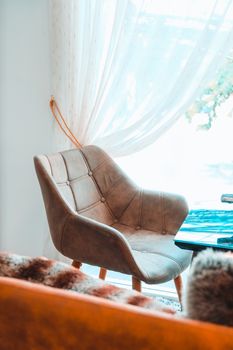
(166, 290)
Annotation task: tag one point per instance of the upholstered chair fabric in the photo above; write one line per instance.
(97, 215)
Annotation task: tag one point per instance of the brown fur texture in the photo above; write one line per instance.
(59, 275)
(209, 290)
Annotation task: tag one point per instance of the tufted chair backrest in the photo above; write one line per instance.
(91, 183)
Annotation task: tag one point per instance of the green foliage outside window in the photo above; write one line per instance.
(217, 92)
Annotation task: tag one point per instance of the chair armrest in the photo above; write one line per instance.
(98, 244)
(163, 212)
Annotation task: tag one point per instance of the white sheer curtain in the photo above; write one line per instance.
(124, 71)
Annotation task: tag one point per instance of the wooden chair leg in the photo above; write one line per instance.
(103, 273)
(76, 264)
(136, 284)
(178, 284)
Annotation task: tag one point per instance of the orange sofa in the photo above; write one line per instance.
(34, 317)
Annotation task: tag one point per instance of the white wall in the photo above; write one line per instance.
(25, 121)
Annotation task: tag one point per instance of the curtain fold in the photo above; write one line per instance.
(124, 71)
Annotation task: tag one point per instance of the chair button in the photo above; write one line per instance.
(68, 183)
(115, 221)
(138, 227)
(90, 173)
(102, 199)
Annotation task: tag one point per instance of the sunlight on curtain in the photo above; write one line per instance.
(195, 163)
(125, 71)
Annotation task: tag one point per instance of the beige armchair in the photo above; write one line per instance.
(98, 216)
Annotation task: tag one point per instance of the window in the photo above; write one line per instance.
(194, 162)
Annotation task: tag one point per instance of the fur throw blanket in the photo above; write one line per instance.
(208, 295)
(59, 275)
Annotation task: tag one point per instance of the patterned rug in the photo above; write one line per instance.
(170, 303)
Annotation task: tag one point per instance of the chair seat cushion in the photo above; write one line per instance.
(158, 258)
